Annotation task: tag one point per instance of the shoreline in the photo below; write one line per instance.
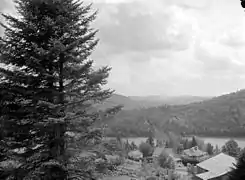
(215, 141)
(188, 136)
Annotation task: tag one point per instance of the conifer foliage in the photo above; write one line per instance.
(48, 86)
(238, 173)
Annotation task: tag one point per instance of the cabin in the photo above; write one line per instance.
(194, 155)
(215, 168)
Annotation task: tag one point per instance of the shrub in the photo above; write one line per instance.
(180, 148)
(146, 149)
(166, 161)
(150, 141)
(210, 149)
(231, 148)
(133, 146)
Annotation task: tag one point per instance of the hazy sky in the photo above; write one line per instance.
(174, 47)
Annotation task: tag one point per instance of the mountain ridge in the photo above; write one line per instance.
(138, 102)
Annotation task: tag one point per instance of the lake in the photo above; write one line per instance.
(221, 141)
(212, 140)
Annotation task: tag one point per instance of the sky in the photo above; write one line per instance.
(170, 47)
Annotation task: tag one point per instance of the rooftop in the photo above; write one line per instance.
(216, 166)
(194, 151)
(209, 175)
(220, 162)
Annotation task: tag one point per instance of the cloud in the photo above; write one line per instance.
(6, 7)
(5, 4)
(191, 4)
(219, 61)
(199, 54)
(171, 46)
(234, 37)
(138, 27)
(141, 78)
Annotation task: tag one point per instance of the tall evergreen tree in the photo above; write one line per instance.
(217, 150)
(194, 142)
(133, 146)
(238, 173)
(51, 85)
(150, 140)
(186, 144)
(210, 149)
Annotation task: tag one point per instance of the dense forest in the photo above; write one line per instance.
(219, 116)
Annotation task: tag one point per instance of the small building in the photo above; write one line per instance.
(135, 155)
(178, 162)
(215, 168)
(194, 155)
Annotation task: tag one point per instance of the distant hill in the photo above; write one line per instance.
(117, 99)
(221, 116)
(170, 100)
(138, 102)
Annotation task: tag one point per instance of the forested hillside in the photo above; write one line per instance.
(219, 116)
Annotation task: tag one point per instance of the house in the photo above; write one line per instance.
(215, 168)
(194, 155)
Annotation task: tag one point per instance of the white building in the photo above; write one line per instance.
(215, 168)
